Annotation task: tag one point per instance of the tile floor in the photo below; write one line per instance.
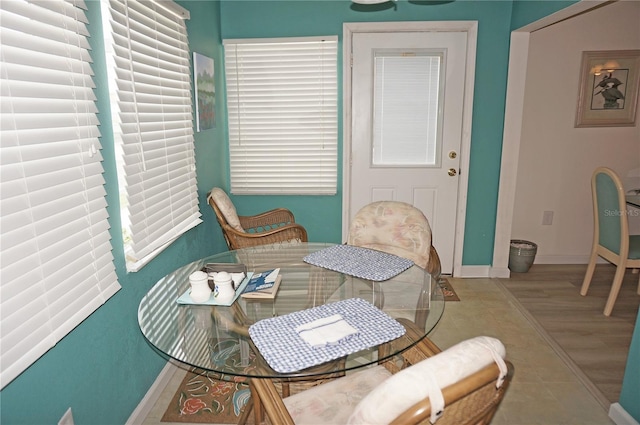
(544, 390)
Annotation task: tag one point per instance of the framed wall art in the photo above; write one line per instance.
(205, 92)
(609, 82)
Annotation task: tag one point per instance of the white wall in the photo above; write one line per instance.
(556, 160)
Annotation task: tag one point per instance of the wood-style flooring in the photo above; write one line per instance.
(596, 344)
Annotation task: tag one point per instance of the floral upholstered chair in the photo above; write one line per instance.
(461, 385)
(396, 228)
(273, 226)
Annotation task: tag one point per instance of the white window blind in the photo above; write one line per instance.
(283, 115)
(407, 108)
(56, 266)
(149, 80)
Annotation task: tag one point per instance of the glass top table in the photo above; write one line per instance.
(216, 338)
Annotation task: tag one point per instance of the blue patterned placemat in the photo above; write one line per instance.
(359, 262)
(285, 351)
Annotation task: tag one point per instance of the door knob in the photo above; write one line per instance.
(452, 172)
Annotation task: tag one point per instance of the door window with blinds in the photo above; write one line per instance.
(407, 108)
(282, 115)
(56, 266)
(151, 108)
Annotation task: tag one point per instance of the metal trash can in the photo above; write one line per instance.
(521, 255)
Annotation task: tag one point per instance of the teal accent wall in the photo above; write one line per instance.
(322, 215)
(527, 11)
(630, 393)
(104, 367)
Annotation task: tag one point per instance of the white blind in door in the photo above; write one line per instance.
(56, 266)
(282, 112)
(150, 85)
(407, 108)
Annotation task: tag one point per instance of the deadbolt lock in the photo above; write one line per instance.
(453, 154)
(452, 172)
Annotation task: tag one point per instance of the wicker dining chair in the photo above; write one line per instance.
(471, 378)
(269, 227)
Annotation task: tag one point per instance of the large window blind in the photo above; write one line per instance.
(56, 266)
(282, 111)
(150, 85)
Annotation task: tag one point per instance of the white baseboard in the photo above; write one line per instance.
(149, 400)
(504, 272)
(621, 416)
(474, 271)
(499, 272)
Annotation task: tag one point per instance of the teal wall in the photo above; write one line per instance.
(321, 215)
(630, 393)
(527, 11)
(248, 19)
(104, 367)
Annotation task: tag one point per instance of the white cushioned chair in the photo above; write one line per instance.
(461, 385)
(396, 228)
(401, 229)
(273, 226)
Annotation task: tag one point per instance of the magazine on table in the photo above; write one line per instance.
(263, 285)
(264, 294)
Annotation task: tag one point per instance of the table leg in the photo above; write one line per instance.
(244, 416)
(286, 391)
(257, 405)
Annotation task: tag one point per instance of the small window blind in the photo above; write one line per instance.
(56, 266)
(407, 108)
(283, 115)
(150, 84)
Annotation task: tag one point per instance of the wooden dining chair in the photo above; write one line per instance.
(611, 239)
(461, 385)
(269, 227)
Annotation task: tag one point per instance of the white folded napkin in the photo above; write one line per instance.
(326, 331)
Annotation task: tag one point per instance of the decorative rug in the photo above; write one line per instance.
(209, 397)
(203, 398)
(448, 291)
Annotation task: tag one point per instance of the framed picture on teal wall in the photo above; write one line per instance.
(205, 91)
(609, 83)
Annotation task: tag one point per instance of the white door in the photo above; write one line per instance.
(408, 97)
